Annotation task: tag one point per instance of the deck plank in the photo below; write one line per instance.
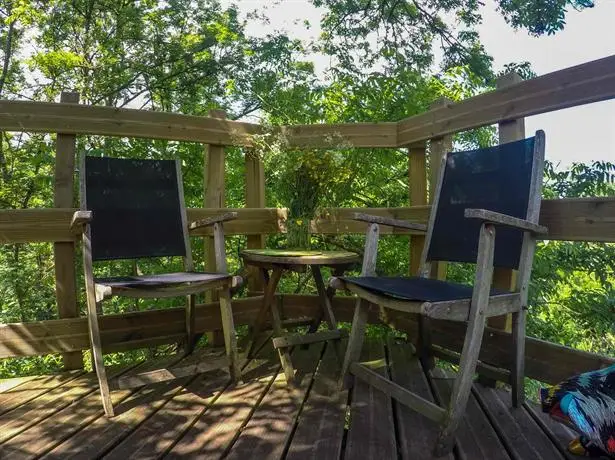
(11, 398)
(101, 434)
(559, 434)
(157, 435)
(104, 433)
(475, 437)
(60, 416)
(417, 433)
(48, 433)
(45, 405)
(521, 435)
(371, 434)
(320, 428)
(7, 384)
(217, 428)
(268, 431)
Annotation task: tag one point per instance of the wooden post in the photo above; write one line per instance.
(512, 130)
(214, 198)
(255, 198)
(438, 147)
(417, 186)
(64, 253)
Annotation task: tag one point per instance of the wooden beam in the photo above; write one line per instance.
(64, 252)
(303, 339)
(583, 84)
(255, 198)
(214, 198)
(340, 220)
(417, 186)
(508, 131)
(49, 117)
(569, 219)
(110, 121)
(545, 361)
(438, 148)
(344, 135)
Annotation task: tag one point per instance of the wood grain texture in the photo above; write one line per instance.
(439, 147)
(517, 430)
(371, 412)
(417, 433)
(341, 135)
(64, 252)
(255, 198)
(508, 131)
(269, 430)
(583, 84)
(567, 219)
(320, 428)
(110, 121)
(417, 186)
(159, 432)
(217, 428)
(507, 221)
(475, 438)
(214, 187)
(362, 217)
(473, 339)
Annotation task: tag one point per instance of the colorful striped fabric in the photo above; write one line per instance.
(586, 403)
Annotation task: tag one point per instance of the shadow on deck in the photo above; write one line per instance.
(61, 416)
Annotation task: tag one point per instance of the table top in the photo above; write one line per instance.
(292, 257)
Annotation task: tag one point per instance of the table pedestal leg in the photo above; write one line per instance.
(327, 311)
(271, 285)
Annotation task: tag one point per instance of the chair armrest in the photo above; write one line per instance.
(504, 219)
(213, 220)
(388, 221)
(80, 220)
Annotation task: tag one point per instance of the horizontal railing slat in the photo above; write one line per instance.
(583, 84)
(571, 219)
(545, 361)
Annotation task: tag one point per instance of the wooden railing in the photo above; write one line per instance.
(587, 219)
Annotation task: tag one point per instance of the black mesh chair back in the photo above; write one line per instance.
(495, 178)
(137, 207)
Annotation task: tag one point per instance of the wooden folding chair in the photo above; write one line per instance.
(477, 192)
(133, 209)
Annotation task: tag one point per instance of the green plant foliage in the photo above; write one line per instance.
(191, 56)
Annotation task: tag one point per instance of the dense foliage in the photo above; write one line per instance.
(389, 59)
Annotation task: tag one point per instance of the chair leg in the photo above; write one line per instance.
(424, 344)
(463, 385)
(190, 321)
(97, 359)
(518, 368)
(472, 342)
(355, 341)
(230, 338)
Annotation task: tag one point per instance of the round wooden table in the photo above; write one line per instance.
(279, 260)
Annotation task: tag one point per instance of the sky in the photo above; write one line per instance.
(581, 134)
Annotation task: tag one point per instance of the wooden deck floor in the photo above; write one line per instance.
(60, 417)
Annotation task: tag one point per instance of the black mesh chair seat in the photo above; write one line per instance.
(157, 281)
(415, 289)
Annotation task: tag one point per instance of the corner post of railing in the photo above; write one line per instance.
(64, 252)
(255, 198)
(438, 147)
(214, 192)
(509, 131)
(417, 189)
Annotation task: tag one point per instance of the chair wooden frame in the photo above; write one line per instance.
(96, 293)
(475, 311)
